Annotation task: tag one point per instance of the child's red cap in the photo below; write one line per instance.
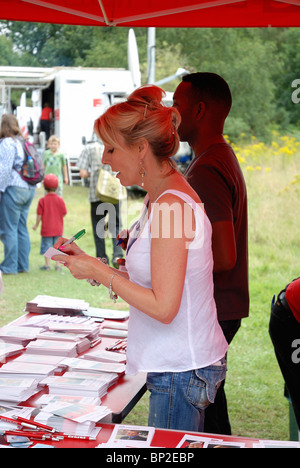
(51, 181)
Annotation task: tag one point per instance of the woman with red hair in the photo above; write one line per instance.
(174, 334)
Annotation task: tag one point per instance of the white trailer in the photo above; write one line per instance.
(80, 97)
(77, 95)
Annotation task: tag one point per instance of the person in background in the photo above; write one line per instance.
(45, 120)
(168, 283)
(51, 211)
(90, 164)
(284, 331)
(204, 102)
(55, 163)
(16, 198)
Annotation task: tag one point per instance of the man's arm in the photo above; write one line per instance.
(84, 164)
(223, 246)
(84, 174)
(214, 192)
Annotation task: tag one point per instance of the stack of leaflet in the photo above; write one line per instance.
(101, 355)
(77, 412)
(107, 314)
(42, 359)
(54, 348)
(86, 365)
(44, 320)
(90, 330)
(81, 331)
(27, 370)
(8, 350)
(56, 305)
(107, 378)
(82, 334)
(82, 343)
(17, 389)
(67, 426)
(113, 332)
(84, 385)
(19, 335)
(47, 399)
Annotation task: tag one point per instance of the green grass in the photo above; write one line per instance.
(23, 287)
(254, 384)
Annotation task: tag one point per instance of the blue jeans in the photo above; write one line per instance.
(47, 242)
(14, 209)
(178, 400)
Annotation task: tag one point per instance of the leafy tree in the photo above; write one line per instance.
(10, 57)
(259, 64)
(7, 56)
(29, 37)
(289, 50)
(67, 47)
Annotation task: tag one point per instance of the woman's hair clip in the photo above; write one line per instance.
(145, 111)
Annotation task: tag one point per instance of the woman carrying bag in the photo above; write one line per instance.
(16, 197)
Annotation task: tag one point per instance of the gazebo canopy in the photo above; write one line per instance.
(155, 13)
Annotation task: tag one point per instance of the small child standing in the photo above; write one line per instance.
(50, 212)
(55, 163)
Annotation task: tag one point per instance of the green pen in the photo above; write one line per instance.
(75, 237)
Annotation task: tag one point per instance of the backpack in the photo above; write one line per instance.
(38, 172)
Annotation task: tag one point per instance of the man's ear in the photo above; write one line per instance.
(200, 110)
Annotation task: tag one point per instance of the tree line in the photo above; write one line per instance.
(260, 64)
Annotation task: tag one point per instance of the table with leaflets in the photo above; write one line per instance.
(121, 397)
(78, 345)
(163, 438)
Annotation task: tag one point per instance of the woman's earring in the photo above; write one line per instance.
(142, 173)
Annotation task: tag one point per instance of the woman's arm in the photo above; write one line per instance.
(169, 252)
(7, 157)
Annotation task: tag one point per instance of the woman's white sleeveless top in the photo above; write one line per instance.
(194, 338)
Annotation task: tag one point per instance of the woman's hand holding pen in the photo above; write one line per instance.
(77, 261)
(81, 265)
(69, 249)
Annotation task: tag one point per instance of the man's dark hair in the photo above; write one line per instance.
(211, 87)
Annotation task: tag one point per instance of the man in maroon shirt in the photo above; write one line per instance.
(204, 101)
